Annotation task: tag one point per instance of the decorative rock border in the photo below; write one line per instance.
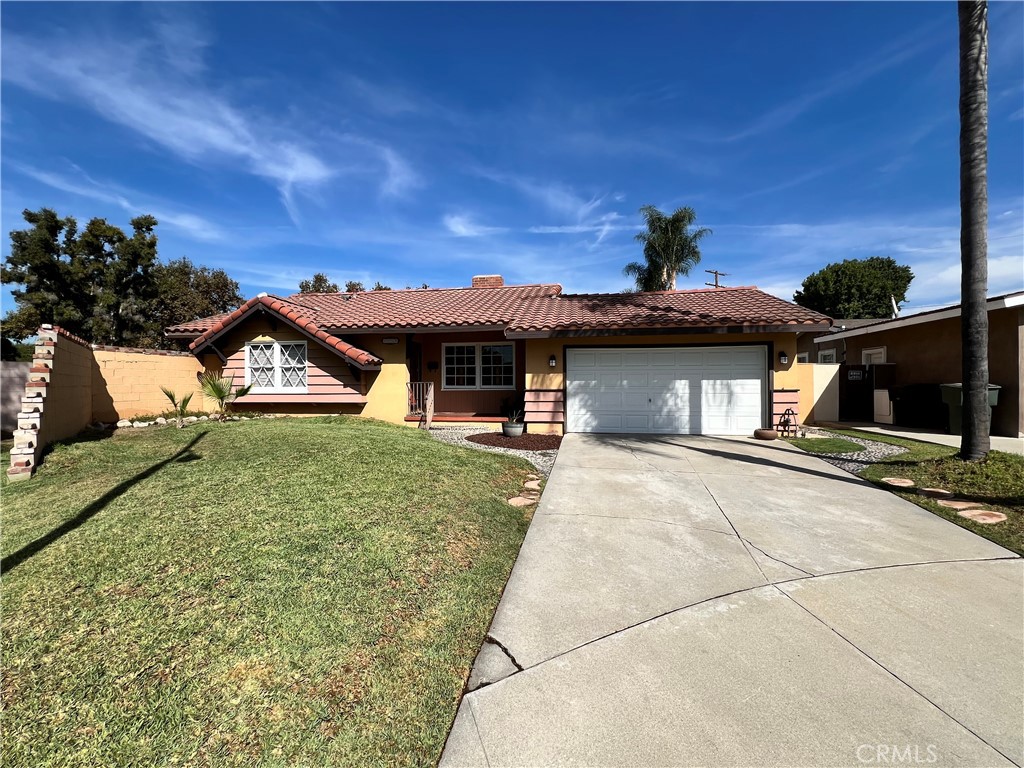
(972, 510)
(542, 460)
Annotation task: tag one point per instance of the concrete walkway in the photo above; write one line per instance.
(697, 601)
(1007, 444)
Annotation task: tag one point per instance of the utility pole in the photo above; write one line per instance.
(717, 275)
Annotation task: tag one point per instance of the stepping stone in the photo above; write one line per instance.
(983, 516)
(959, 504)
(899, 482)
(532, 485)
(532, 476)
(935, 493)
(521, 501)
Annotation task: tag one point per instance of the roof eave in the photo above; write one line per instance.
(662, 330)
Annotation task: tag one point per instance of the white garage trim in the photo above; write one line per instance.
(671, 390)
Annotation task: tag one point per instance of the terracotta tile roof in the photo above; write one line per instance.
(194, 327)
(297, 315)
(528, 310)
(712, 307)
(422, 308)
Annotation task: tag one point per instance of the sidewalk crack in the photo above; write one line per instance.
(501, 646)
(776, 559)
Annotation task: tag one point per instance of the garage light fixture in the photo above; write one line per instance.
(783, 358)
(552, 361)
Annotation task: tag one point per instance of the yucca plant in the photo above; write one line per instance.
(221, 389)
(180, 407)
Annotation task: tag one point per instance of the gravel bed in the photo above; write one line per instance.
(855, 463)
(542, 460)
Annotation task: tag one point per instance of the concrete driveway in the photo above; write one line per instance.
(699, 601)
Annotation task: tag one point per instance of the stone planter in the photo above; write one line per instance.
(766, 434)
(512, 428)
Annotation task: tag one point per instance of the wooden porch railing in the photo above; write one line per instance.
(421, 402)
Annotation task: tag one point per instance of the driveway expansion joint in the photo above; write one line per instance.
(888, 671)
(776, 559)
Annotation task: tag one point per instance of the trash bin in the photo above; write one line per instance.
(953, 397)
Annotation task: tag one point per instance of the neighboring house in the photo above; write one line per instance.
(716, 361)
(809, 350)
(923, 350)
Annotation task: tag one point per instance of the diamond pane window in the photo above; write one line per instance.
(276, 366)
(261, 365)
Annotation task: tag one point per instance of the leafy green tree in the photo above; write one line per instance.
(354, 286)
(379, 286)
(13, 352)
(104, 285)
(318, 284)
(856, 288)
(973, 25)
(671, 248)
(186, 292)
(97, 284)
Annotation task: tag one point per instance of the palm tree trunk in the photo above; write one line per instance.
(973, 17)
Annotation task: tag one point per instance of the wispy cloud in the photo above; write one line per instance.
(877, 63)
(462, 225)
(189, 224)
(556, 197)
(152, 87)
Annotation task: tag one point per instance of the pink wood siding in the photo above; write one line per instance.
(328, 378)
(474, 401)
(545, 406)
(783, 399)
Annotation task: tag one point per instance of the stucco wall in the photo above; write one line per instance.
(929, 353)
(387, 391)
(126, 382)
(13, 376)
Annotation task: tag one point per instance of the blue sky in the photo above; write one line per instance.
(430, 142)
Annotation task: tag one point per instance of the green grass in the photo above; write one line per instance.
(825, 444)
(997, 482)
(272, 592)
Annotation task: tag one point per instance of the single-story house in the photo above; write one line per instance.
(715, 361)
(808, 351)
(923, 350)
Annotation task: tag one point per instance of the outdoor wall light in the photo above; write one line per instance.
(432, 366)
(552, 361)
(783, 358)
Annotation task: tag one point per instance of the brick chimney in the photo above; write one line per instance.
(488, 281)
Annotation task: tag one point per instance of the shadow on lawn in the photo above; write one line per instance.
(16, 558)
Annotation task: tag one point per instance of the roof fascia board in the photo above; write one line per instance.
(261, 307)
(663, 331)
(1003, 302)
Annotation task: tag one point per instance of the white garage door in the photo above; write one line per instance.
(675, 390)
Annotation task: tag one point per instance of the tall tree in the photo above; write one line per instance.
(186, 292)
(671, 248)
(379, 286)
(973, 23)
(354, 286)
(318, 284)
(856, 288)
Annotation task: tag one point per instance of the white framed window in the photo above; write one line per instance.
(872, 356)
(801, 357)
(276, 367)
(478, 366)
(826, 355)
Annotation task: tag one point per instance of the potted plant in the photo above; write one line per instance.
(513, 427)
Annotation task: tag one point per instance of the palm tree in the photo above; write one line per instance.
(973, 18)
(180, 407)
(670, 248)
(221, 390)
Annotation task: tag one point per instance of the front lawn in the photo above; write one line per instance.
(271, 592)
(825, 444)
(997, 482)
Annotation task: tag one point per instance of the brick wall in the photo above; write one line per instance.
(126, 382)
(72, 384)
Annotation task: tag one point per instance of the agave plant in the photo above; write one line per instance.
(221, 389)
(180, 407)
